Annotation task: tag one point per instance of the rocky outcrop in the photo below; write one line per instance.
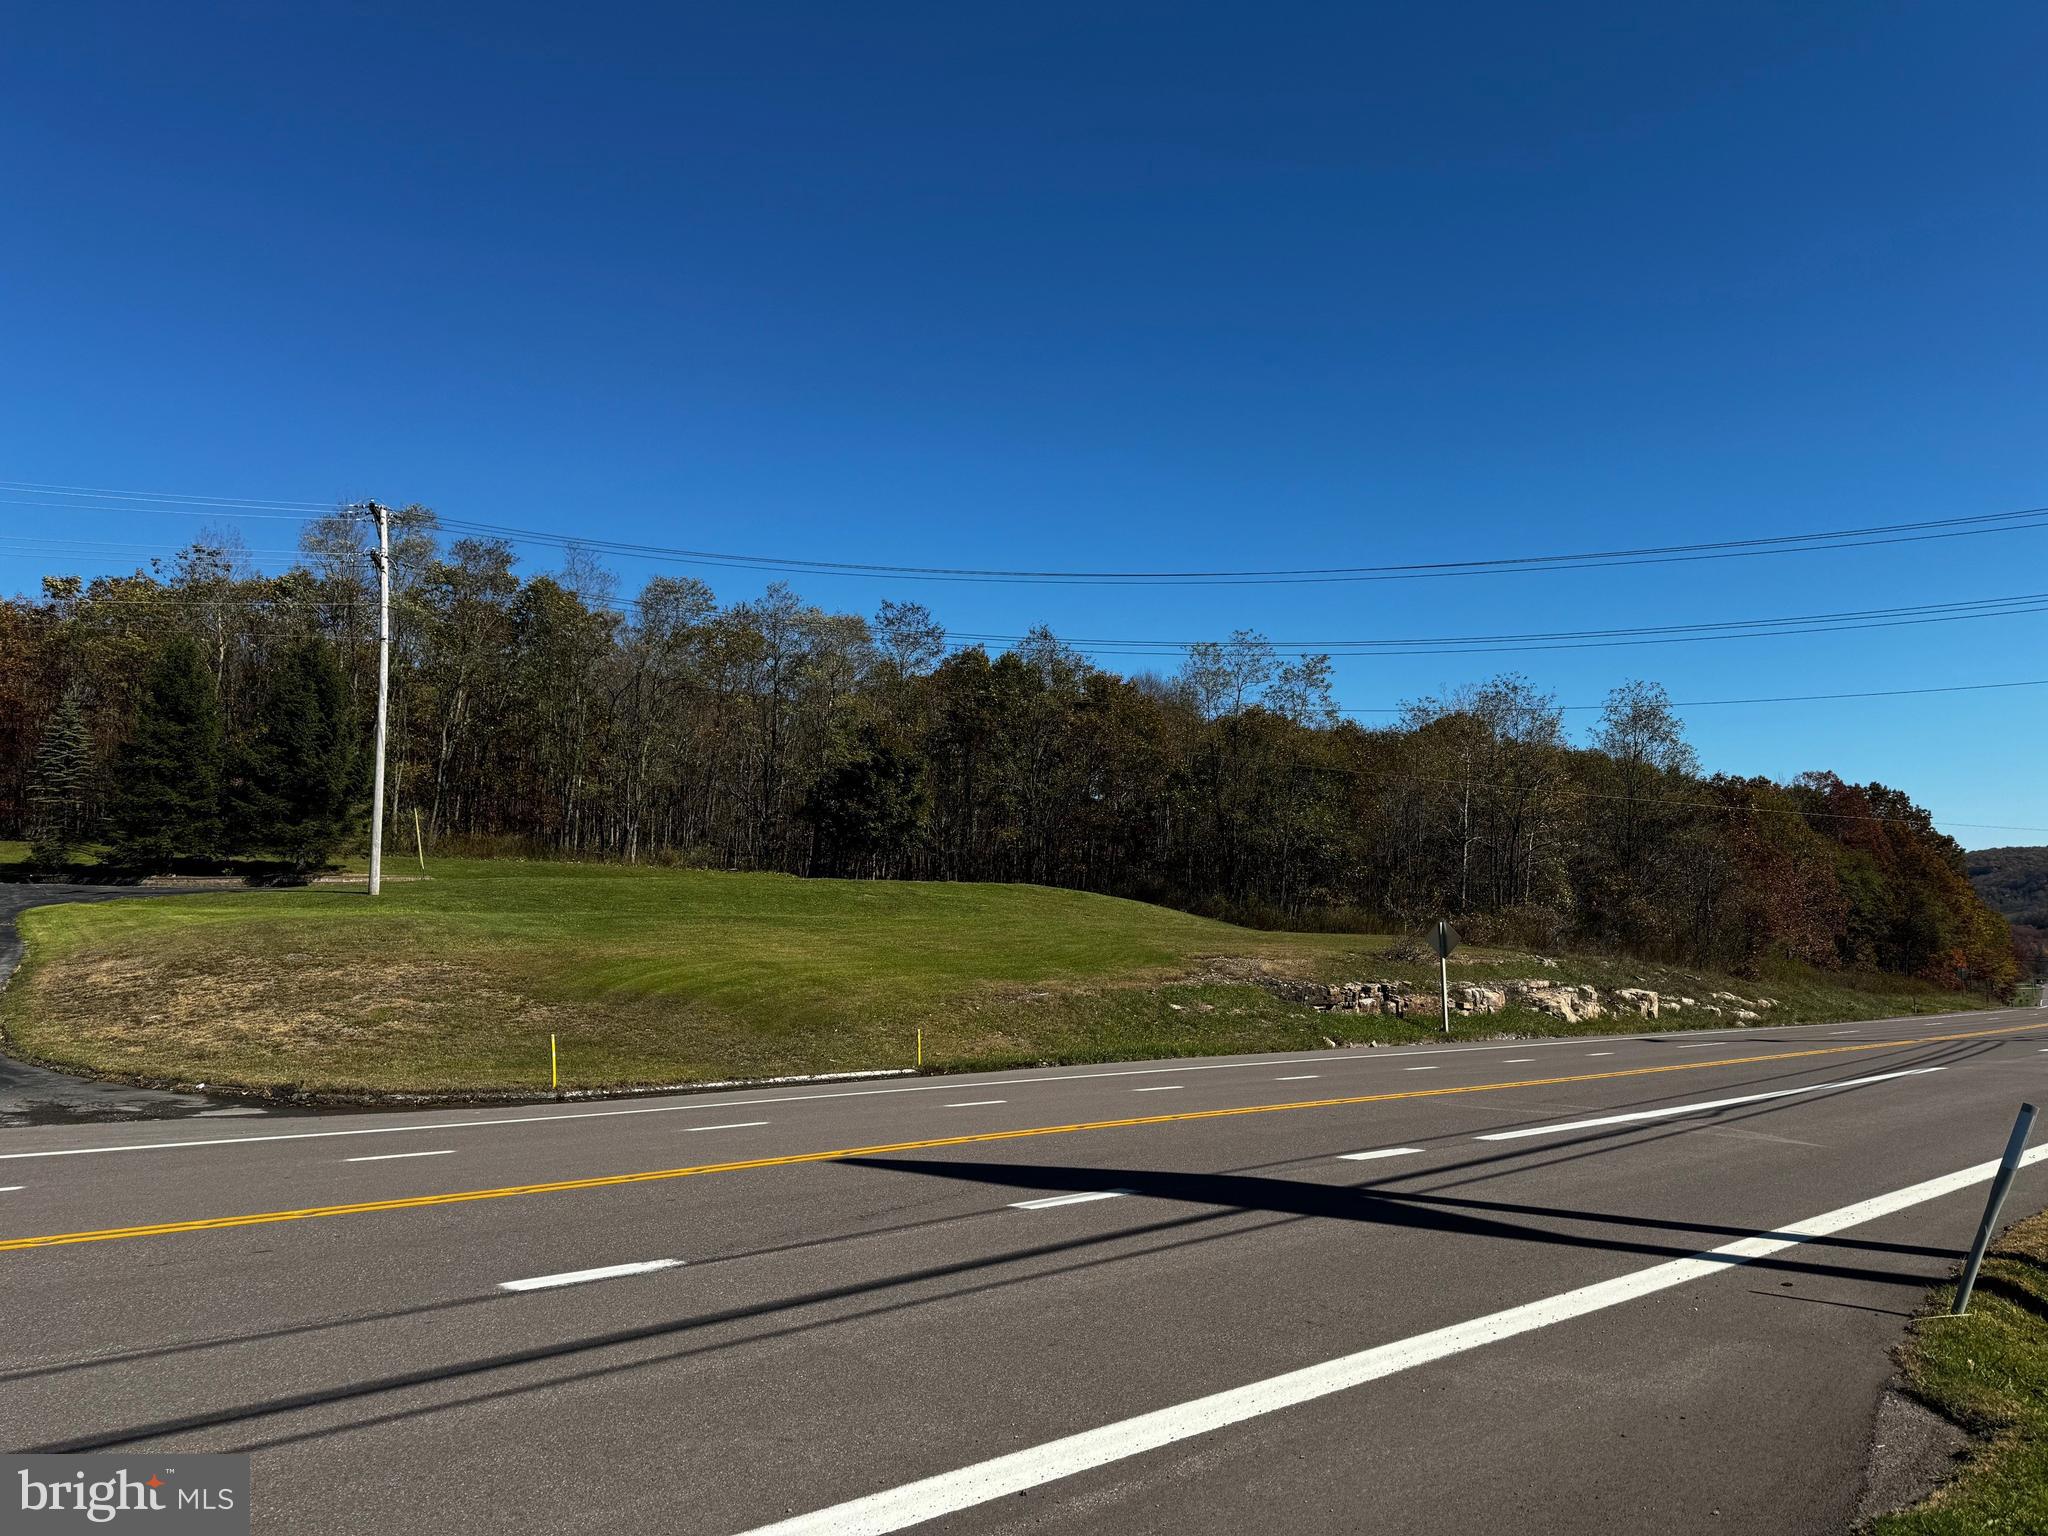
(1573, 1004)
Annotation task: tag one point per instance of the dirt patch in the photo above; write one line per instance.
(1913, 1451)
(133, 1002)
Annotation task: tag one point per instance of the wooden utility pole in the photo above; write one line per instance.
(383, 559)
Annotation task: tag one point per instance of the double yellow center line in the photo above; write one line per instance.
(607, 1181)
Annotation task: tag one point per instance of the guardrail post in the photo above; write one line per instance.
(2007, 1167)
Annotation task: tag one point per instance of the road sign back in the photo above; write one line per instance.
(1444, 940)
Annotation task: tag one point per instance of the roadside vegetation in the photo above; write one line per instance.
(1988, 1372)
(660, 976)
(202, 713)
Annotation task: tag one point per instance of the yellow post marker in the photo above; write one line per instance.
(920, 1048)
(554, 1065)
(419, 839)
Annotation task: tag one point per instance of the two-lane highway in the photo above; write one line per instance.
(1583, 1284)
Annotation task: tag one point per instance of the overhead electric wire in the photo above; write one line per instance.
(1728, 549)
(1582, 793)
(1777, 698)
(165, 496)
(1338, 646)
(1916, 531)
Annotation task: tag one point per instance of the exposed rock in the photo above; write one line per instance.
(1473, 999)
(1570, 1004)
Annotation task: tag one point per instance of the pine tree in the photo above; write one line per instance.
(60, 784)
(299, 775)
(166, 789)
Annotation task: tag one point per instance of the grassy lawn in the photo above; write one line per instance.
(1988, 1372)
(652, 976)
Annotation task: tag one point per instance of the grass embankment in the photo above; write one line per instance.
(661, 976)
(1988, 1372)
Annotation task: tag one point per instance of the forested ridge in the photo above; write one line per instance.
(549, 713)
(2014, 882)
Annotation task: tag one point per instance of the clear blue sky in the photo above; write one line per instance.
(1094, 285)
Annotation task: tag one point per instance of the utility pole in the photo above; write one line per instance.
(382, 557)
(1443, 941)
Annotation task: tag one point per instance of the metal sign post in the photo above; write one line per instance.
(1443, 941)
(2008, 1165)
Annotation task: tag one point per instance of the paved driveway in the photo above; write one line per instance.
(31, 1095)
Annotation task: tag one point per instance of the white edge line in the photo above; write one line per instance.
(579, 1276)
(975, 1103)
(389, 1157)
(1699, 1108)
(894, 1509)
(1377, 1152)
(1324, 1058)
(1050, 1201)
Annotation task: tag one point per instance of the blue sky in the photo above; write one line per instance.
(1124, 286)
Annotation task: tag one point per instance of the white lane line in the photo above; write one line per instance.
(1516, 1061)
(976, 1103)
(1324, 1058)
(392, 1157)
(730, 1125)
(895, 1509)
(1305, 1077)
(1418, 1069)
(1700, 1108)
(1697, 1045)
(579, 1276)
(8, 1189)
(1050, 1201)
(1599, 1053)
(1164, 1088)
(1377, 1152)
(1845, 1032)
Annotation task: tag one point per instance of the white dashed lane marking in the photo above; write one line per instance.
(1052, 1200)
(580, 1276)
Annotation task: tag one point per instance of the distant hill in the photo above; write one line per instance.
(2013, 880)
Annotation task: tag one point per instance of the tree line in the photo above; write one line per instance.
(200, 711)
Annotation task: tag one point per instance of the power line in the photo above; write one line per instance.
(167, 496)
(1990, 604)
(1900, 533)
(1446, 645)
(1781, 698)
(1971, 525)
(1389, 776)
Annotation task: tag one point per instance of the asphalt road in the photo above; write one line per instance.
(1153, 1298)
(33, 1095)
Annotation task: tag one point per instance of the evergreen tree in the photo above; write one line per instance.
(60, 784)
(299, 775)
(166, 790)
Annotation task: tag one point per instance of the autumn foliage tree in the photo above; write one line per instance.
(552, 713)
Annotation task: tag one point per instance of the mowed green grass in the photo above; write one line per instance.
(662, 976)
(1988, 1371)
